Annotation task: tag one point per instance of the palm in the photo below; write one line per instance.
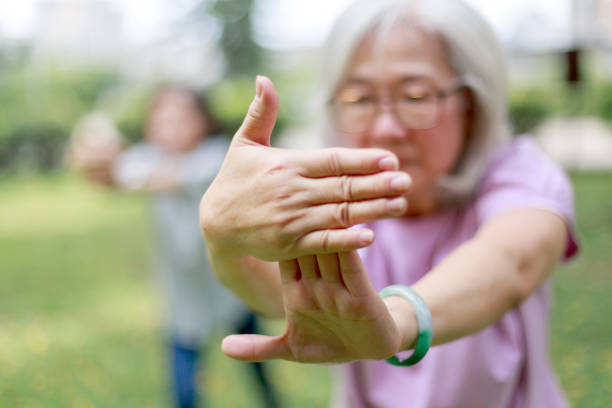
(333, 315)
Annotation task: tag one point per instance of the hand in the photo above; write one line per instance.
(277, 204)
(333, 315)
(94, 158)
(95, 167)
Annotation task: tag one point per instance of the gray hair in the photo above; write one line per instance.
(475, 54)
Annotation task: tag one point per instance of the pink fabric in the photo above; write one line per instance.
(505, 365)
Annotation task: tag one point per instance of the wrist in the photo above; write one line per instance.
(405, 319)
(216, 237)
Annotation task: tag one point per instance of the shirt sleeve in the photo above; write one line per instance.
(522, 176)
(200, 166)
(134, 166)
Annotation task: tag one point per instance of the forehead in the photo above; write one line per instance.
(405, 51)
(174, 97)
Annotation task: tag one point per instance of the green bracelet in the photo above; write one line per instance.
(423, 316)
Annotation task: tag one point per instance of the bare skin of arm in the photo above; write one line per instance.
(334, 314)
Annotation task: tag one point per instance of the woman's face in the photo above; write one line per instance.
(176, 123)
(410, 64)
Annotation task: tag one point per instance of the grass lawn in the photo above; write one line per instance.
(80, 322)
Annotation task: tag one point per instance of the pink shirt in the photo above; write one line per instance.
(505, 365)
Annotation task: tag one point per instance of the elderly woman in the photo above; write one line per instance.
(461, 250)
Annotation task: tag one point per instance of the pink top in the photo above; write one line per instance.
(505, 365)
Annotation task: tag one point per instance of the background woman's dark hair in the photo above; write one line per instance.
(200, 99)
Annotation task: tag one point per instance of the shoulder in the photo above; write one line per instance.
(522, 165)
(521, 161)
(520, 175)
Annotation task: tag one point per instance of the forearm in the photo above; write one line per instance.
(465, 293)
(255, 281)
(474, 287)
(471, 289)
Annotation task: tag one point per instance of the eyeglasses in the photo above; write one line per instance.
(415, 105)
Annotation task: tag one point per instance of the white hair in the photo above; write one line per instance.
(475, 55)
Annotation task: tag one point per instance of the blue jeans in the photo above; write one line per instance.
(184, 364)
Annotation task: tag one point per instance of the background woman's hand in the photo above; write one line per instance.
(94, 159)
(277, 204)
(333, 314)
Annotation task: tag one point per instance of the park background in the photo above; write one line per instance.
(79, 312)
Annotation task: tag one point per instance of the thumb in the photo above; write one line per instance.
(255, 347)
(261, 116)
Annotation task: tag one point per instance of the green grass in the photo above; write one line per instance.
(581, 328)
(79, 315)
(80, 321)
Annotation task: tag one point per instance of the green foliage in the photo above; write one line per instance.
(242, 54)
(529, 107)
(603, 101)
(38, 107)
(130, 111)
(230, 100)
(33, 146)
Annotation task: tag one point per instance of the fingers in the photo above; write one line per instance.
(354, 275)
(261, 116)
(343, 215)
(309, 267)
(255, 347)
(329, 267)
(338, 161)
(334, 240)
(355, 188)
(324, 266)
(289, 270)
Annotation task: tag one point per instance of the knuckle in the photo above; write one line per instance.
(283, 193)
(341, 214)
(288, 229)
(335, 166)
(325, 240)
(346, 188)
(206, 218)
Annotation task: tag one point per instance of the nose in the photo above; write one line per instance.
(386, 126)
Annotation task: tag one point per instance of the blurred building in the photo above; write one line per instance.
(91, 32)
(75, 32)
(592, 23)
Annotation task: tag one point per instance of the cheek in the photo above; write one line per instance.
(443, 153)
(354, 140)
(444, 146)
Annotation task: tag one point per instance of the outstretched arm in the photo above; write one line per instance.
(333, 314)
(506, 261)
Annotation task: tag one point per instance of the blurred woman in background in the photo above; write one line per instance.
(179, 158)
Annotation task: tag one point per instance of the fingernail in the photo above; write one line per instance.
(366, 236)
(400, 182)
(397, 206)
(388, 163)
(258, 87)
